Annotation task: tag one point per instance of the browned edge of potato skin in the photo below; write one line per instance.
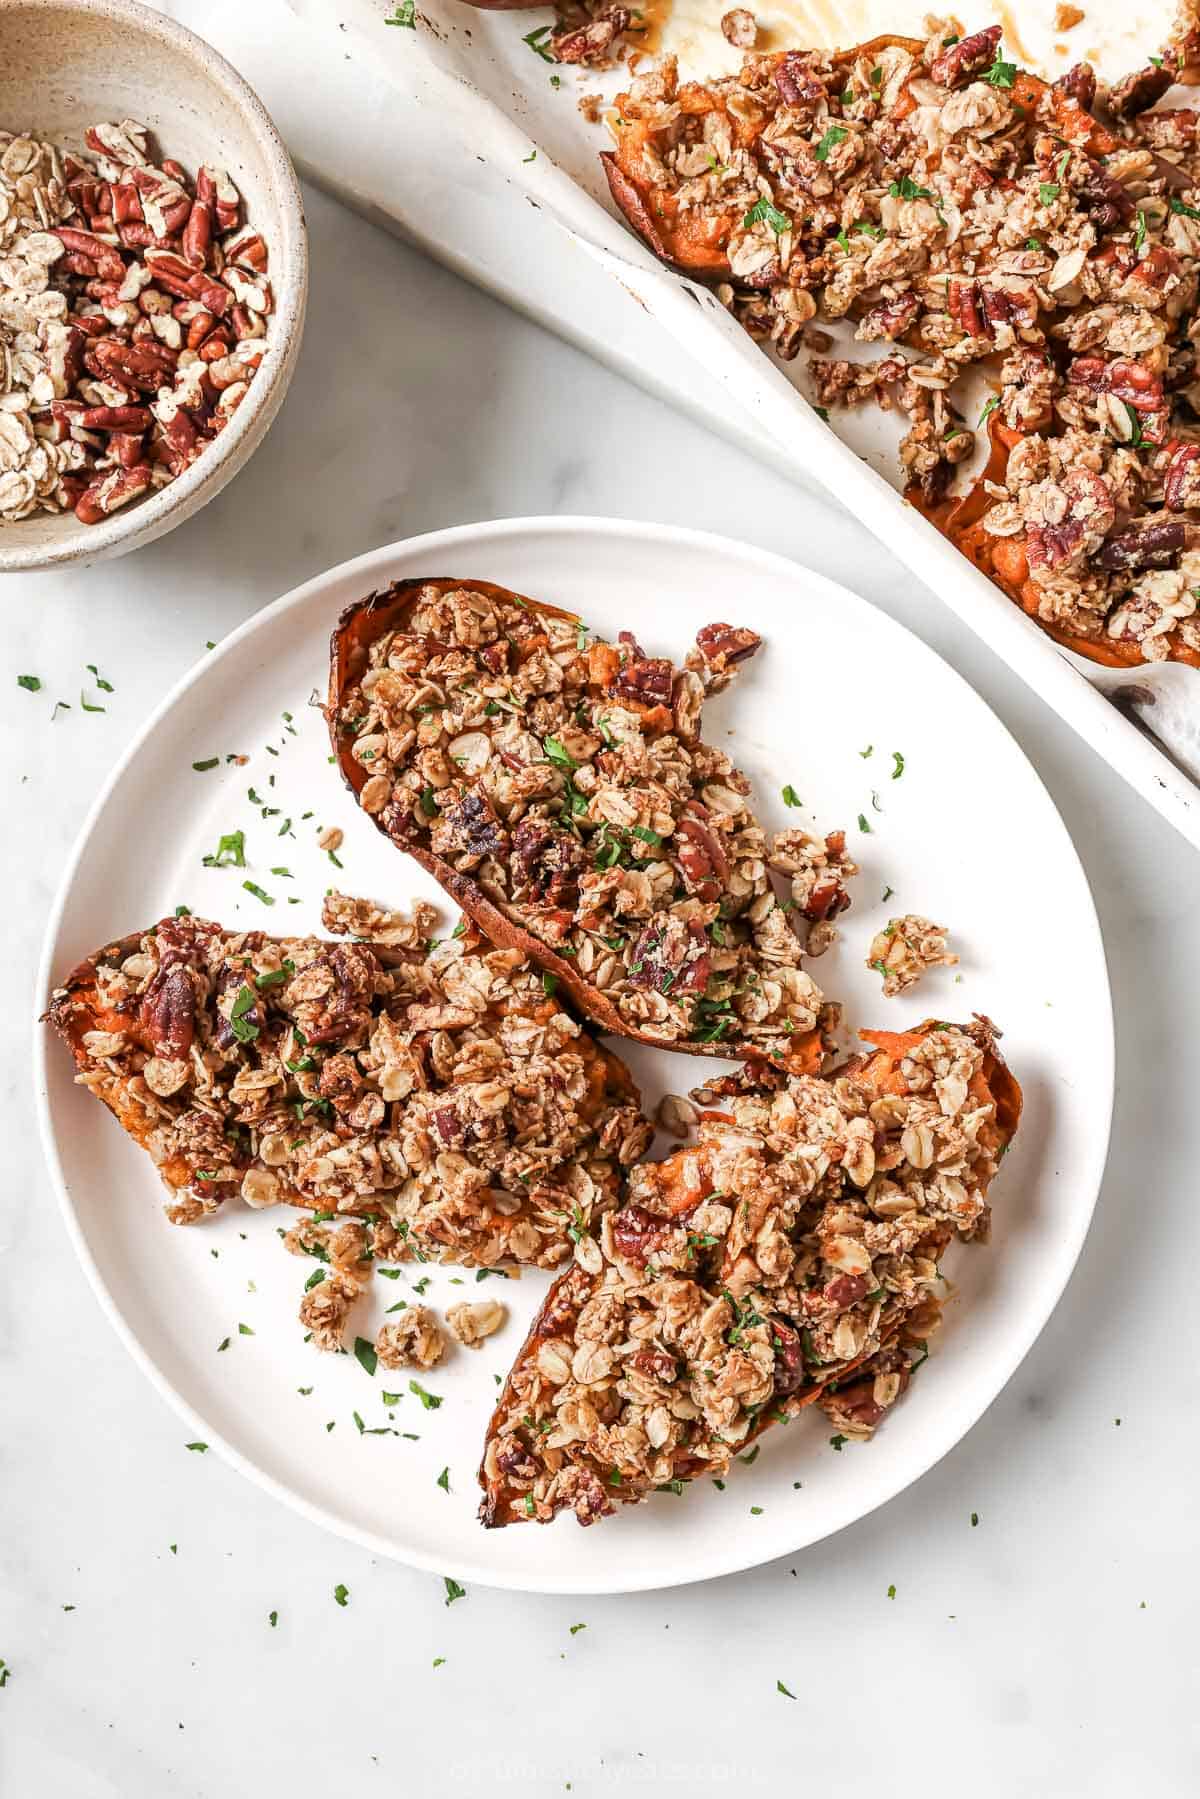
(361, 625)
(1005, 1090)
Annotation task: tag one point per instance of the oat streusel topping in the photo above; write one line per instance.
(905, 948)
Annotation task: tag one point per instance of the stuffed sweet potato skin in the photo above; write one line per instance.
(439, 1092)
(364, 629)
(798, 185)
(737, 1315)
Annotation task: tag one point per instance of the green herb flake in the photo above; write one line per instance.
(989, 408)
(199, 1448)
(202, 768)
(864, 823)
(230, 852)
(897, 765)
(87, 707)
(275, 977)
(576, 1628)
(364, 1354)
(31, 683)
(243, 1026)
(405, 15)
(1048, 191)
(1184, 212)
(453, 1590)
(431, 1401)
(907, 189)
(272, 1619)
(836, 134)
(790, 796)
(891, 1592)
(244, 1330)
(443, 1480)
(549, 983)
(837, 1442)
(341, 1594)
(764, 213)
(258, 892)
(223, 1344)
(537, 42)
(974, 1520)
(1001, 73)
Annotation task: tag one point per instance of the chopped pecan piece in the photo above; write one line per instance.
(961, 62)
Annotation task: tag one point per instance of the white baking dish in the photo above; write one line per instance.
(490, 101)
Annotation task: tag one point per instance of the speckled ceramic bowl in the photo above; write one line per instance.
(64, 64)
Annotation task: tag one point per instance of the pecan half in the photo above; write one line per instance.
(1149, 543)
(550, 860)
(723, 645)
(1138, 92)
(1079, 84)
(964, 60)
(672, 957)
(588, 43)
(1181, 484)
(168, 1013)
(798, 79)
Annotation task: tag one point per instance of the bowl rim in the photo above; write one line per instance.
(171, 505)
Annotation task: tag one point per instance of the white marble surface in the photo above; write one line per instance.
(1050, 1650)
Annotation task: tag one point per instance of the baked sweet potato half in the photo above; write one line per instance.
(789, 1256)
(559, 789)
(433, 1089)
(961, 213)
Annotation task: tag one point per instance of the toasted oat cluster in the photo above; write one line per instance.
(565, 780)
(959, 211)
(789, 1256)
(434, 1090)
(905, 948)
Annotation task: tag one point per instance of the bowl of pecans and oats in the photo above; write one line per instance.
(153, 277)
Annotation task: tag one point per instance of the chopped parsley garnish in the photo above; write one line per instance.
(272, 1619)
(989, 408)
(314, 1279)
(556, 754)
(275, 977)
(230, 852)
(1048, 191)
(790, 796)
(907, 189)
(975, 1515)
(576, 1628)
(786, 1691)
(31, 683)
(868, 752)
(645, 835)
(341, 1593)
(1001, 73)
(209, 762)
(405, 14)
(1186, 212)
(897, 765)
(431, 1401)
(836, 1442)
(259, 893)
(891, 1592)
(1139, 235)
(429, 805)
(864, 823)
(364, 1354)
(537, 42)
(200, 1448)
(1033, 243)
(443, 1480)
(244, 1330)
(834, 136)
(87, 707)
(224, 1344)
(244, 1028)
(764, 213)
(453, 1590)
(549, 983)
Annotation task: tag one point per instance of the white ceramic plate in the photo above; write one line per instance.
(966, 834)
